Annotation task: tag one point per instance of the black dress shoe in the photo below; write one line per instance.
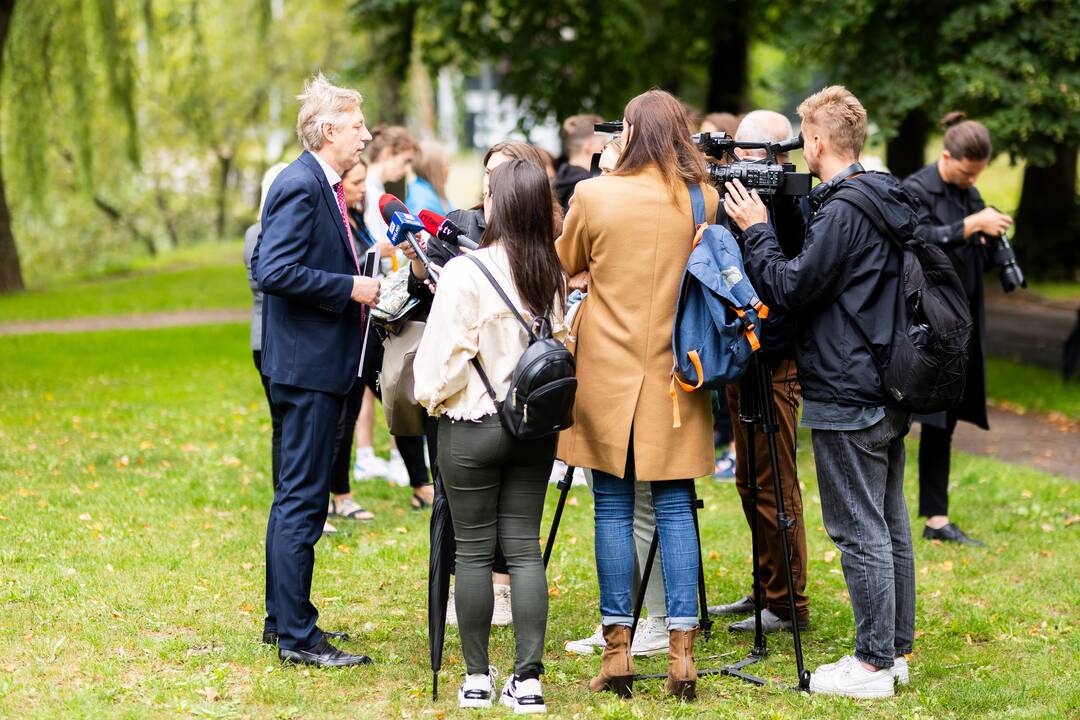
(949, 533)
(270, 636)
(322, 654)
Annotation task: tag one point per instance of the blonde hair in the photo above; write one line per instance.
(430, 164)
(268, 179)
(840, 114)
(576, 130)
(322, 103)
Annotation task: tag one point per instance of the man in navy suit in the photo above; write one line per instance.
(308, 267)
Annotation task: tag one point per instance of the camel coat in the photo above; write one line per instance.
(634, 237)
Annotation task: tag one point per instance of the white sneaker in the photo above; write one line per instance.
(451, 609)
(848, 677)
(368, 465)
(651, 638)
(396, 472)
(901, 671)
(589, 645)
(501, 613)
(476, 691)
(524, 696)
(328, 529)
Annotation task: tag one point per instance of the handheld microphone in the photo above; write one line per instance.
(445, 229)
(402, 226)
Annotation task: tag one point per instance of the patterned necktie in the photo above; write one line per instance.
(339, 190)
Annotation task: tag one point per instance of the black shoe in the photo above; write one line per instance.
(270, 636)
(950, 533)
(770, 623)
(322, 654)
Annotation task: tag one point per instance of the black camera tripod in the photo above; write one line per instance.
(757, 411)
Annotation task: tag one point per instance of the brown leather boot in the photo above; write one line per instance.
(681, 673)
(616, 665)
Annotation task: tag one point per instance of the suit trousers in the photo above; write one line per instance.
(935, 451)
(309, 419)
(786, 394)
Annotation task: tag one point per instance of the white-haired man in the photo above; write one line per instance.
(778, 353)
(307, 264)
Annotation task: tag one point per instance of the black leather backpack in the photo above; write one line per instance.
(541, 394)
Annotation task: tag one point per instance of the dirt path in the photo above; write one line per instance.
(147, 321)
(1033, 440)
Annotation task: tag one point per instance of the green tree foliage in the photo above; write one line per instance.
(1012, 64)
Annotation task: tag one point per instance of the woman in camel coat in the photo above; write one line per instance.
(632, 232)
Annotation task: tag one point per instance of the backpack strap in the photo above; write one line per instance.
(852, 194)
(509, 304)
(701, 223)
(697, 205)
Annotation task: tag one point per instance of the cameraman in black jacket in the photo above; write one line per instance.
(778, 348)
(844, 287)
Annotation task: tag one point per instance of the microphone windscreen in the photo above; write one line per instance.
(432, 221)
(388, 205)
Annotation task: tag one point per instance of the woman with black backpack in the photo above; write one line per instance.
(495, 481)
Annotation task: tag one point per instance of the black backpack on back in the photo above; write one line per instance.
(540, 399)
(927, 365)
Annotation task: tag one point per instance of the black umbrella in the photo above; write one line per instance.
(440, 564)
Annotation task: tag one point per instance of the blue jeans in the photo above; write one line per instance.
(679, 556)
(861, 481)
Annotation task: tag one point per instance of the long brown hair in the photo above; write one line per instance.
(430, 164)
(660, 138)
(393, 137)
(966, 139)
(521, 218)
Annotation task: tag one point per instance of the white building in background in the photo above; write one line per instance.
(482, 116)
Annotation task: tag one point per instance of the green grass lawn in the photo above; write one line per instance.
(133, 495)
(1033, 389)
(210, 275)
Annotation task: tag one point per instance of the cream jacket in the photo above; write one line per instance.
(468, 319)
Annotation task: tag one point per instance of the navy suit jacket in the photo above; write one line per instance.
(303, 263)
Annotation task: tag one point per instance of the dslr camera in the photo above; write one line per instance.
(1011, 275)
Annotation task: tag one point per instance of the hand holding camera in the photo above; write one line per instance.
(744, 208)
(989, 221)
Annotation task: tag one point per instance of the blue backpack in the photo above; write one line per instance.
(718, 312)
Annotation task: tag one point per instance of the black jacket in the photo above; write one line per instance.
(471, 222)
(778, 331)
(566, 179)
(844, 260)
(942, 210)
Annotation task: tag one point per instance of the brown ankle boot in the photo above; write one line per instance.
(616, 665)
(682, 673)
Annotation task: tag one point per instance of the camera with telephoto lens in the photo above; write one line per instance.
(1011, 275)
(765, 175)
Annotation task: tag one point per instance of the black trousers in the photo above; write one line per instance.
(935, 453)
(308, 420)
(275, 422)
(410, 447)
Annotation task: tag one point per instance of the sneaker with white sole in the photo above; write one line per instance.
(477, 689)
(849, 678)
(901, 671)
(589, 645)
(524, 697)
(368, 465)
(396, 472)
(501, 612)
(651, 638)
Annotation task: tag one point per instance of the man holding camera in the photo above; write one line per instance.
(844, 287)
(786, 218)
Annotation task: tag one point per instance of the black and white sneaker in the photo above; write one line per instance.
(524, 696)
(477, 689)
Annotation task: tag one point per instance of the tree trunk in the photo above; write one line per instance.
(11, 278)
(729, 66)
(906, 152)
(1047, 220)
(225, 160)
(114, 214)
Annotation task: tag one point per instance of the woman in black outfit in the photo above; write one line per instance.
(954, 216)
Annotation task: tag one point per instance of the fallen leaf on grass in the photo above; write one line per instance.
(401, 530)
(124, 461)
(85, 516)
(247, 566)
(209, 693)
(343, 548)
(195, 543)
(830, 556)
(1047, 528)
(230, 461)
(1072, 520)
(947, 566)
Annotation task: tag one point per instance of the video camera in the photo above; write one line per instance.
(765, 175)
